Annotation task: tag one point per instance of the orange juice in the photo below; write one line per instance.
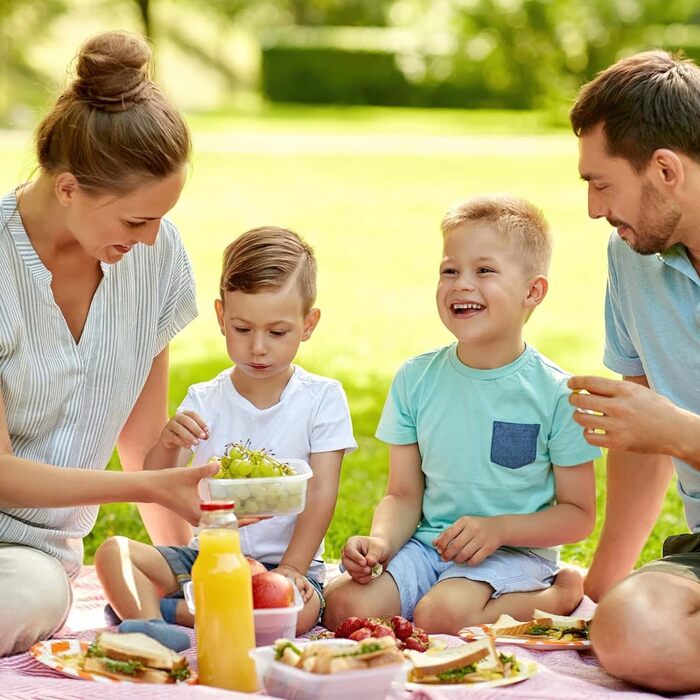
(223, 610)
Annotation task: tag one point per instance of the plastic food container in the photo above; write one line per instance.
(270, 623)
(283, 681)
(274, 495)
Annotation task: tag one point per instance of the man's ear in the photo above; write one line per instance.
(65, 186)
(536, 291)
(666, 168)
(219, 308)
(310, 322)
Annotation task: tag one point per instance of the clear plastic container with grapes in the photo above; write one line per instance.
(259, 484)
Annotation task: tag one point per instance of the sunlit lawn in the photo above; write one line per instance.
(367, 187)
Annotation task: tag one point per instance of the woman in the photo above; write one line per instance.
(86, 314)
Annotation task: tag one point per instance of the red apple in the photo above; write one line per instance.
(271, 590)
(255, 566)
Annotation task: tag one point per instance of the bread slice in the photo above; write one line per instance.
(136, 646)
(95, 664)
(564, 622)
(507, 626)
(425, 665)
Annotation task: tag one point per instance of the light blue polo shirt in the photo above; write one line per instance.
(487, 438)
(652, 327)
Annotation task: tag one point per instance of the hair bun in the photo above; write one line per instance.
(113, 71)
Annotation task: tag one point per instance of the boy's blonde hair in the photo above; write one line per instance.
(269, 257)
(521, 221)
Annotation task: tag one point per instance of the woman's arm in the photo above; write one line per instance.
(140, 433)
(28, 484)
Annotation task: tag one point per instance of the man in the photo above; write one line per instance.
(638, 124)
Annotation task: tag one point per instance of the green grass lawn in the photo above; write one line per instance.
(367, 188)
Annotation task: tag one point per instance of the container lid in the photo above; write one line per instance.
(217, 505)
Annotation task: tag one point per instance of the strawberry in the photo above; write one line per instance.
(383, 631)
(415, 644)
(347, 627)
(402, 627)
(359, 635)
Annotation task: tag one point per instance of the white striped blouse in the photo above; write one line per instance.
(67, 402)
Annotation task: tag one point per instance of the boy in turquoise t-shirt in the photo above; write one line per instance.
(488, 470)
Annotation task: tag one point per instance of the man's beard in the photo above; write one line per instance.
(660, 219)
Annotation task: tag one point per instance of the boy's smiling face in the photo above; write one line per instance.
(483, 290)
(264, 329)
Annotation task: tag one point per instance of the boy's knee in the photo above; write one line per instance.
(342, 601)
(433, 614)
(109, 550)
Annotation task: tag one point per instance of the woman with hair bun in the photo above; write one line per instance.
(94, 283)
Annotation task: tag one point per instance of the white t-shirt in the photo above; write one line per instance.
(312, 416)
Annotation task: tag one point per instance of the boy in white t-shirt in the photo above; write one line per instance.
(268, 288)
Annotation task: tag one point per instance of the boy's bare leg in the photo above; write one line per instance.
(561, 598)
(347, 598)
(452, 604)
(309, 614)
(458, 602)
(134, 576)
(646, 630)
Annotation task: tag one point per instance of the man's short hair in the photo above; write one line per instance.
(517, 218)
(269, 258)
(647, 101)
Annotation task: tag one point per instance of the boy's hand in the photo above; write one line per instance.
(184, 430)
(298, 579)
(469, 540)
(362, 554)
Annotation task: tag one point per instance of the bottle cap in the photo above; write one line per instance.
(217, 505)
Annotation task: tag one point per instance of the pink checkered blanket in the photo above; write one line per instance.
(562, 674)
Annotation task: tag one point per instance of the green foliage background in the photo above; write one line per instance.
(367, 187)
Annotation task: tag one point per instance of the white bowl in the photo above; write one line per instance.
(274, 495)
(284, 681)
(270, 623)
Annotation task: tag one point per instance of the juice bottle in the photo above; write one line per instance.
(223, 601)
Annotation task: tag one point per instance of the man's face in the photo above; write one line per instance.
(645, 219)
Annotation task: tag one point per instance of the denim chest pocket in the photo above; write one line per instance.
(513, 445)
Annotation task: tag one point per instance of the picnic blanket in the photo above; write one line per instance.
(562, 674)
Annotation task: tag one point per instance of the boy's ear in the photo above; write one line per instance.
(65, 186)
(536, 291)
(219, 308)
(310, 322)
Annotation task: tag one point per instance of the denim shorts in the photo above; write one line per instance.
(181, 560)
(416, 568)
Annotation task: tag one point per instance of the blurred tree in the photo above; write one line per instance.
(21, 84)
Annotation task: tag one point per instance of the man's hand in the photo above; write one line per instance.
(469, 540)
(633, 418)
(362, 554)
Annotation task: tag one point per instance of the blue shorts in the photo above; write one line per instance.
(181, 559)
(416, 568)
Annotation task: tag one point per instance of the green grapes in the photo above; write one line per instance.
(273, 497)
(240, 462)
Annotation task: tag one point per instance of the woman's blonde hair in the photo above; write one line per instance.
(112, 128)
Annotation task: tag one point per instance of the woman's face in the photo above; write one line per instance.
(108, 225)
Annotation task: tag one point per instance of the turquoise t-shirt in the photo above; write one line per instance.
(487, 438)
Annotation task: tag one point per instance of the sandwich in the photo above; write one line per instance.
(542, 624)
(334, 658)
(468, 663)
(134, 657)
